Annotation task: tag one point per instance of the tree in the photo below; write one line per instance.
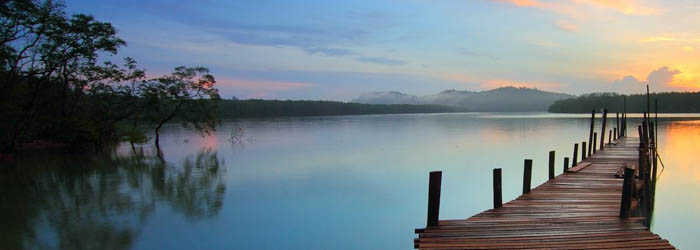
(187, 95)
(47, 60)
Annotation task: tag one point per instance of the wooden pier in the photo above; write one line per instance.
(585, 207)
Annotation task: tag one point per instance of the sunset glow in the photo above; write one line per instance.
(337, 50)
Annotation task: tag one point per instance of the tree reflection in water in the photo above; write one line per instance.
(101, 202)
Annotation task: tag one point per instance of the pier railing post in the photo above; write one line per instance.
(551, 164)
(575, 159)
(617, 125)
(615, 134)
(602, 130)
(610, 136)
(595, 141)
(590, 136)
(497, 188)
(566, 164)
(434, 186)
(583, 150)
(627, 187)
(527, 176)
(642, 154)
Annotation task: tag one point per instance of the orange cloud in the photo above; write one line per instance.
(569, 7)
(627, 7)
(662, 79)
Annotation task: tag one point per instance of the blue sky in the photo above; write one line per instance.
(336, 50)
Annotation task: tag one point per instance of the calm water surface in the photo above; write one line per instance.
(343, 182)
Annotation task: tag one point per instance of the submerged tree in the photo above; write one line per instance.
(186, 95)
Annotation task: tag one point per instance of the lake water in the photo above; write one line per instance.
(341, 182)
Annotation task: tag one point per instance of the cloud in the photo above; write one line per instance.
(627, 7)
(662, 76)
(662, 79)
(471, 53)
(571, 7)
(247, 88)
(566, 25)
(329, 51)
(546, 44)
(380, 60)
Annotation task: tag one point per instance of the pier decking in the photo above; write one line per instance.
(579, 209)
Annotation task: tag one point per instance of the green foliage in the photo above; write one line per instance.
(52, 87)
(272, 108)
(670, 102)
(184, 97)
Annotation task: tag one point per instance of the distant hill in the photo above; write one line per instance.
(506, 99)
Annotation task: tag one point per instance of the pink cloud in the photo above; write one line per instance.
(247, 88)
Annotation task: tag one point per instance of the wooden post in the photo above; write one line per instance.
(641, 135)
(566, 164)
(590, 136)
(527, 176)
(602, 130)
(645, 131)
(615, 133)
(595, 141)
(617, 125)
(609, 136)
(575, 159)
(624, 115)
(627, 187)
(656, 118)
(551, 164)
(583, 150)
(642, 148)
(497, 190)
(434, 186)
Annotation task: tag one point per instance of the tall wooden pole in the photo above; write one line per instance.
(527, 176)
(434, 185)
(551, 164)
(602, 131)
(590, 135)
(497, 190)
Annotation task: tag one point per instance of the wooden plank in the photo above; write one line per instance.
(578, 209)
(578, 167)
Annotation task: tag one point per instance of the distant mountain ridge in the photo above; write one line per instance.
(505, 99)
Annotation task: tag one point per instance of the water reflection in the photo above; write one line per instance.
(101, 202)
(676, 206)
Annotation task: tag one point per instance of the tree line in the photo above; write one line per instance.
(669, 102)
(272, 108)
(55, 88)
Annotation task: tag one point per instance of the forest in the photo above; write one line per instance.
(56, 89)
(668, 102)
(272, 108)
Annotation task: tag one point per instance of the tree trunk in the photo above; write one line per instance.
(158, 135)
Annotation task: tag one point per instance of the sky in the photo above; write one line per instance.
(337, 50)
